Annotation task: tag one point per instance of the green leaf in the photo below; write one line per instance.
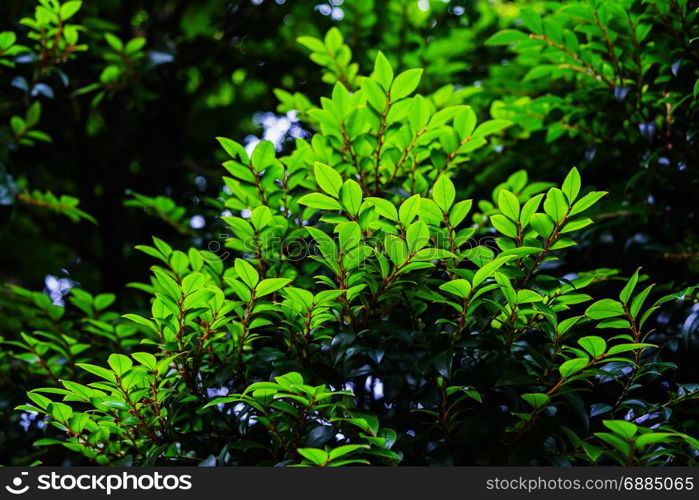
(507, 37)
(504, 225)
(571, 185)
(341, 451)
(247, 273)
(567, 324)
(141, 321)
(119, 363)
(408, 210)
(542, 224)
(396, 249)
(595, 346)
(537, 399)
(350, 235)
(405, 83)
(614, 441)
(459, 287)
(433, 254)
(98, 370)
(114, 42)
(465, 123)
(572, 366)
(594, 452)
(653, 438)
(528, 297)
(626, 292)
(383, 71)
(33, 114)
(104, 300)
(555, 204)
(351, 196)
(61, 412)
(261, 217)
(311, 43)
(491, 127)
(69, 9)
(333, 40)
(621, 427)
(586, 202)
(459, 212)
(263, 155)
(234, 149)
(375, 94)
(265, 287)
(616, 349)
(314, 455)
(319, 201)
(508, 204)
(443, 193)
(605, 308)
(575, 225)
(489, 268)
(638, 301)
(619, 323)
(529, 208)
(417, 235)
(384, 208)
(78, 422)
(7, 40)
(146, 359)
(328, 179)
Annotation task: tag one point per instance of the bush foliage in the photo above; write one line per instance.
(478, 247)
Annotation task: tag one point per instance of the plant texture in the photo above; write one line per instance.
(361, 311)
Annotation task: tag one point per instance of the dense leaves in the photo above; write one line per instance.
(390, 286)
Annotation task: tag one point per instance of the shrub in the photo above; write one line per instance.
(361, 312)
(611, 86)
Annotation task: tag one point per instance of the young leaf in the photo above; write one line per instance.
(489, 268)
(555, 204)
(542, 224)
(246, 272)
(586, 202)
(409, 209)
(146, 359)
(626, 292)
(267, 286)
(459, 287)
(529, 208)
(594, 345)
(351, 196)
(621, 427)
(383, 71)
(443, 193)
(605, 308)
(319, 201)
(571, 185)
(508, 204)
(537, 400)
(120, 364)
(572, 366)
(328, 179)
(263, 155)
(638, 301)
(418, 236)
(405, 83)
(459, 212)
(314, 455)
(504, 225)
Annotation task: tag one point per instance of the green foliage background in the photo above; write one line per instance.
(410, 272)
